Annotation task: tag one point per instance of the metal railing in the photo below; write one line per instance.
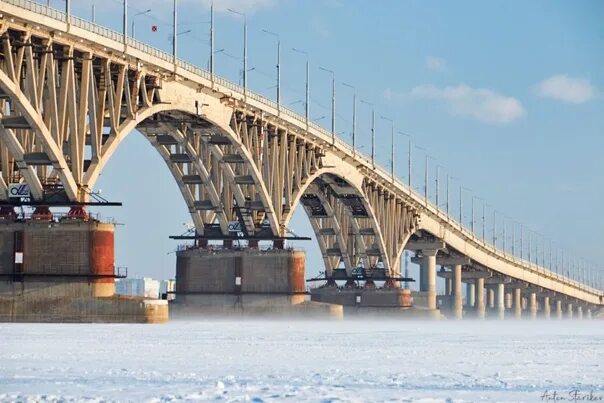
(302, 122)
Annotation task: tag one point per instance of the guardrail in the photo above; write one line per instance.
(244, 92)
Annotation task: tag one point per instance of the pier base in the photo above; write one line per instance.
(249, 282)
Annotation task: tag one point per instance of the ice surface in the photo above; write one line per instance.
(301, 361)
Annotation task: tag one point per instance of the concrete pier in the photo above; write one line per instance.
(470, 295)
(428, 267)
(579, 312)
(64, 271)
(588, 313)
(226, 282)
(517, 303)
(480, 303)
(546, 307)
(491, 297)
(569, 311)
(457, 298)
(500, 300)
(559, 314)
(533, 305)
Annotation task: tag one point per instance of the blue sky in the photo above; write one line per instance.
(506, 96)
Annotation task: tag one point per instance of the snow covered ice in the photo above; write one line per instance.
(302, 361)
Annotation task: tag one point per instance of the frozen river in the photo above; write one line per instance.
(303, 361)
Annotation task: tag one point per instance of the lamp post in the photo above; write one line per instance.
(392, 144)
(244, 47)
(333, 103)
(278, 65)
(307, 107)
(134, 18)
(354, 116)
(372, 132)
(409, 160)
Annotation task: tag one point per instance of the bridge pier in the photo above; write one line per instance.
(62, 269)
(559, 314)
(517, 303)
(533, 305)
(428, 268)
(457, 298)
(508, 300)
(569, 310)
(546, 307)
(500, 300)
(580, 312)
(589, 313)
(243, 281)
(491, 296)
(470, 296)
(480, 303)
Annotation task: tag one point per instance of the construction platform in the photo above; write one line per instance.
(62, 270)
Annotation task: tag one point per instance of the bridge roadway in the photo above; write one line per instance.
(71, 92)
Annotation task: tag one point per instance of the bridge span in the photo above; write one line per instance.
(71, 91)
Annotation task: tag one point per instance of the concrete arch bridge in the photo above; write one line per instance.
(71, 91)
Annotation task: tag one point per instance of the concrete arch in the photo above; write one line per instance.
(215, 114)
(33, 118)
(349, 175)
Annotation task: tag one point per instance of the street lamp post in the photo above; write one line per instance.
(392, 144)
(278, 65)
(134, 18)
(244, 47)
(333, 103)
(354, 116)
(174, 39)
(409, 160)
(372, 132)
(307, 107)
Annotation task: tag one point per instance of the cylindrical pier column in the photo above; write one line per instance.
(491, 294)
(429, 266)
(579, 312)
(470, 294)
(558, 309)
(457, 300)
(546, 308)
(569, 311)
(517, 303)
(500, 300)
(508, 300)
(588, 313)
(448, 286)
(480, 305)
(533, 305)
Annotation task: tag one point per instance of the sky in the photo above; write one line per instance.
(505, 97)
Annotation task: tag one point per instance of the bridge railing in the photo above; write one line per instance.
(168, 57)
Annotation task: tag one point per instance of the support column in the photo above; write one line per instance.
(457, 300)
(429, 267)
(579, 312)
(533, 305)
(500, 300)
(588, 313)
(448, 286)
(480, 305)
(423, 272)
(569, 311)
(546, 308)
(470, 293)
(491, 297)
(508, 300)
(517, 303)
(558, 309)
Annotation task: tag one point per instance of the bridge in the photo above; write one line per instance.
(71, 91)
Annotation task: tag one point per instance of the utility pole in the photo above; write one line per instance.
(125, 22)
